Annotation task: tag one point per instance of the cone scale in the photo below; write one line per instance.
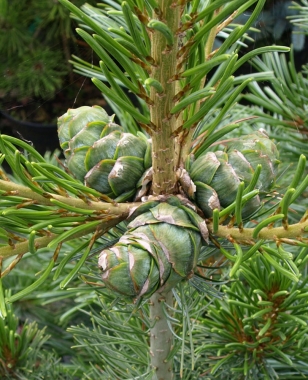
(217, 175)
(160, 249)
(100, 154)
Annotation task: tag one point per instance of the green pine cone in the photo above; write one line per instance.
(160, 249)
(217, 175)
(100, 154)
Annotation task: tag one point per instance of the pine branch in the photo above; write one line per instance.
(295, 233)
(70, 203)
(45, 241)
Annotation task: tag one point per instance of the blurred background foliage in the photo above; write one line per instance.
(36, 41)
(37, 82)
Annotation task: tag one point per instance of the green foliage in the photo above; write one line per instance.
(301, 18)
(13, 39)
(34, 46)
(136, 62)
(39, 75)
(259, 324)
(283, 100)
(115, 346)
(243, 314)
(23, 351)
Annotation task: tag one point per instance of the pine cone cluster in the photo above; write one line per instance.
(99, 153)
(163, 240)
(159, 249)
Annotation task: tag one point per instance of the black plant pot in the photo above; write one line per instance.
(43, 137)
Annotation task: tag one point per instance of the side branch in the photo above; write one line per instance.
(44, 241)
(295, 231)
(122, 209)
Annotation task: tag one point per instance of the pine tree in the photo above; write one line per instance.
(192, 206)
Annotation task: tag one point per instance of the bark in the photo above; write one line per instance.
(165, 153)
(161, 339)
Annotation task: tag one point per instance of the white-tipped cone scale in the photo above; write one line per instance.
(217, 175)
(100, 154)
(162, 244)
(160, 249)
